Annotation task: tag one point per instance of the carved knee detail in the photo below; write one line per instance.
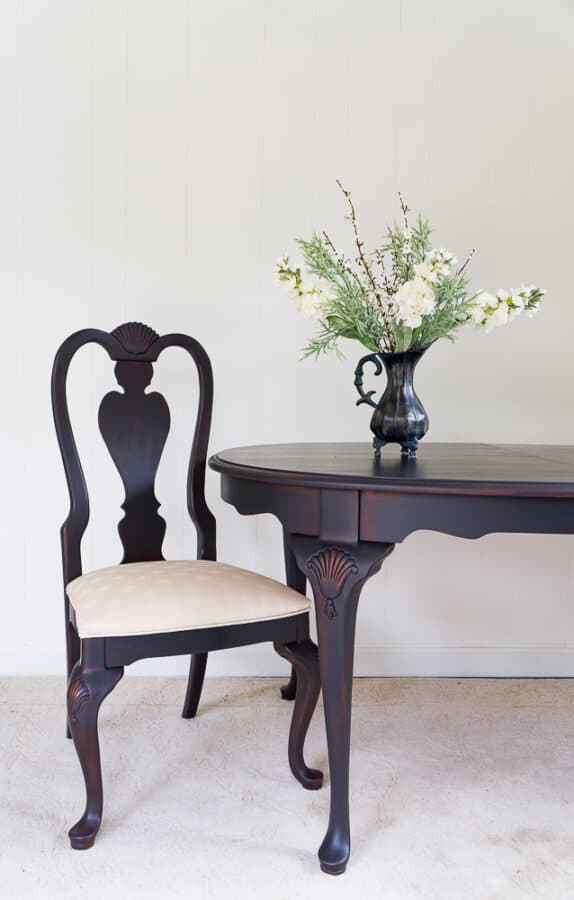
(78, 696)
(89, 684)
(329, 569)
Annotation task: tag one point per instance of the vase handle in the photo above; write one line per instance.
(366, 397)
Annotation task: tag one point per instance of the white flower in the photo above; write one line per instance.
(425, 271)
(499, 316)
(440, 256)
(489, 311)
(437, 264)
(482, 303)
(413, 300)
(308, 305)
(492, 317)
(484, 300)
(311, 299)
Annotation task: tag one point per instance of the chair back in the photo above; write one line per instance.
(134, 425)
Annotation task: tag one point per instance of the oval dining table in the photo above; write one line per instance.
(343, 511)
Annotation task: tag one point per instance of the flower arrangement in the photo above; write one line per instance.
(402, 295)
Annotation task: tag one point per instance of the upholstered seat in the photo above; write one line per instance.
(158, 597)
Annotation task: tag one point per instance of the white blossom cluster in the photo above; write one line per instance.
(310, 297)
(402, 294)
(437, 264)
(489, 311)
(413, 300)
(416, 298)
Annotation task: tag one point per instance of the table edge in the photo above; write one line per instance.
(533, 490)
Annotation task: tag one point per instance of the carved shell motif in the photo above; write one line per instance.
(78, 696)
(330, 568)
(135, 337)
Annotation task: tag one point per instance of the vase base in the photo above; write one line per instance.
(408, 448)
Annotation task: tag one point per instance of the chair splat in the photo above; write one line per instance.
(135, 426)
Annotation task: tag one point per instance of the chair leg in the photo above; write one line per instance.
(194, 685)
(298, 581)
(289, 690)
(72, 656)
(304, 659)
(90, 683)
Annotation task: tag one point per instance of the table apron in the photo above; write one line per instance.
(392, 517)
(344, 515)
(297, 508)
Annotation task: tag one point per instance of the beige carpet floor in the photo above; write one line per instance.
(460, 789)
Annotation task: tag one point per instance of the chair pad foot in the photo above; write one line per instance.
(333, 868)
(81, 841)
(312, 780)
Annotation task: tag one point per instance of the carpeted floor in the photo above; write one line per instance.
(459, 789)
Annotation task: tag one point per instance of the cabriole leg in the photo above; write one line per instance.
(337, 575)
(89, 684)
(305, 662)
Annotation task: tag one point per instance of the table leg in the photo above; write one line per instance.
(296, 580)
(337, 575)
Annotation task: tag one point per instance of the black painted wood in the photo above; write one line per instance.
(126, 650)
(485, 469)
(337, 575)
(135, 425)
(296, 580)
(90, 682)
(195, 681)
(303, 657)
(343, 511)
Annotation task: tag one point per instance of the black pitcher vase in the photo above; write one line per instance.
(399, 416)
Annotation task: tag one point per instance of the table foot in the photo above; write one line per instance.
(334, 854)
(333, 868)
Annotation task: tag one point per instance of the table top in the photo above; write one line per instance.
(509, 469)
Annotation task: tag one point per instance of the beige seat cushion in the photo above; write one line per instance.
(155, 597)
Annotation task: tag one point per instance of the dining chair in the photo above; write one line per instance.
(147, 606)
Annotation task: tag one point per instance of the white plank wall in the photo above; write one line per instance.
(156, 156)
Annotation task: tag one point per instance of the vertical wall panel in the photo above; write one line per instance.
(12, 608)
(155, 159)
(56, 211)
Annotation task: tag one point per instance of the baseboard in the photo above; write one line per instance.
(448, 662)
(466, 662)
